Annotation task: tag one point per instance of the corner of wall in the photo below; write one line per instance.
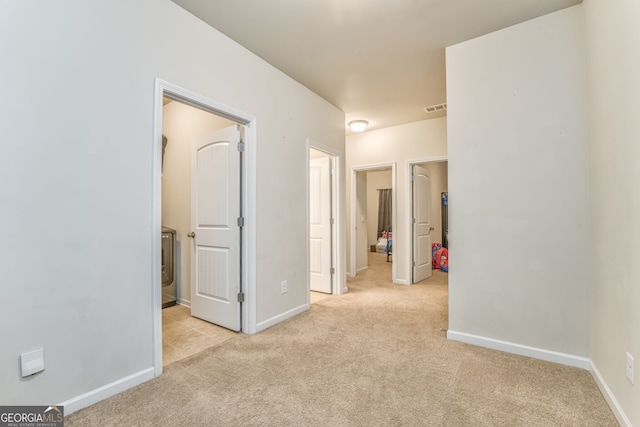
(609, 396)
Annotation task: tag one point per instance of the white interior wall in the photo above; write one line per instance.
(613, 63)
(401, 144)
(375, 180)
(182, 123)
(76, 181)
(518, 175)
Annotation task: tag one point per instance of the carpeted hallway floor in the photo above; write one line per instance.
(377, 356)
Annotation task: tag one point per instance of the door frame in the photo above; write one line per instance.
(352, 212)
(338, 281)
(409, 207)
(248, 187)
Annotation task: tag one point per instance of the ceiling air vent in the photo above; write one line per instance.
(434, 108)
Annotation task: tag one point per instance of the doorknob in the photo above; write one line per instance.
(192, 235)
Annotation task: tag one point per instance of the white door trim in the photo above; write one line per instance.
(248, 257)
(339, 280)
(409, 210)
(352, 213)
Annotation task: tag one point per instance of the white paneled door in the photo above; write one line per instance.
(421, 198)
(215, 231)
(320, 225)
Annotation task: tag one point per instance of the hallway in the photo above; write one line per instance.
(377, 355)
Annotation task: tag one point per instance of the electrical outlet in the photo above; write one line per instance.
(283, 287)
(630, 368)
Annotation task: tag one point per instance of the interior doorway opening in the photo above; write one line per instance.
(184, 118)
(183, 334)
(429, 225)
(325, 271)
(372, 225)
(321, 222)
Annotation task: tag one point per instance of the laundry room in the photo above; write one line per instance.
(181, 124)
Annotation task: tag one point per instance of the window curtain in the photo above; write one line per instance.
(384, 210)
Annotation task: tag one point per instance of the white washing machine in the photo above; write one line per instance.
(169, 285)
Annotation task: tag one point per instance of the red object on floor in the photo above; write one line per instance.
(441, 258)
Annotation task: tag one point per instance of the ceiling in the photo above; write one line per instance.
(378, 60)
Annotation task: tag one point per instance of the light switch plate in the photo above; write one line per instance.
(32, 362)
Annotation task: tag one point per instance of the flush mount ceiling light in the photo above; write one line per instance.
(358, 125)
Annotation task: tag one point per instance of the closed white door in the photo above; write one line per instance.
(421, 224)
(215, 208)
(320, 225)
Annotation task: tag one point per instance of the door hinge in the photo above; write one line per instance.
(332, 221)
(413, 177)
(413, 220)
(413, 264)
(240, 221)
(241, 146)
(332, 270)
(331, 171)
(240, 296)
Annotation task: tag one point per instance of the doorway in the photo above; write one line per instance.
(321, 219)
(324, 266)
(429, 226)
(365, 233)
(188, 119)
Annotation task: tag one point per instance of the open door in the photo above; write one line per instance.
(421, 223)
(215, 225)
(320, 268)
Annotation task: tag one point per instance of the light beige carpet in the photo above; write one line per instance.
(377, 356)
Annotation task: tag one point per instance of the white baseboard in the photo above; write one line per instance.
(522, 350)
(401, 282)
(106, 391)
(360, 270)
(281, 317)
(184, 302)
(608, 396)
